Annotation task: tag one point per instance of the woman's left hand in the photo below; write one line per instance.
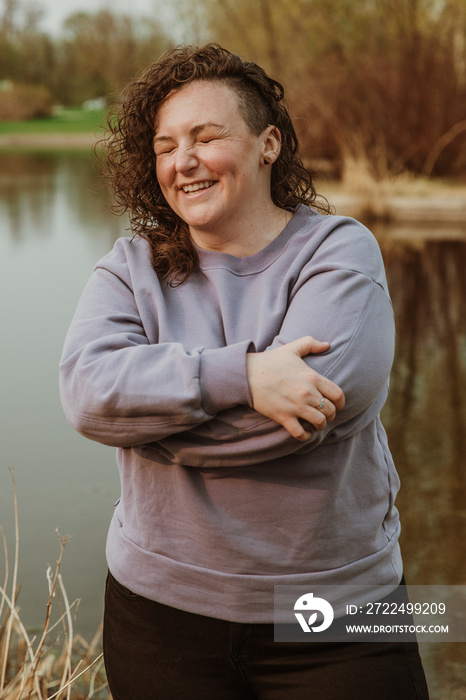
(286, 390)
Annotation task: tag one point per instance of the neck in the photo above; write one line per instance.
(243, 238)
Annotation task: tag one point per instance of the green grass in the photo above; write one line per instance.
(64, 121)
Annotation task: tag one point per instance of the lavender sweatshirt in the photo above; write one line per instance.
(218, 503)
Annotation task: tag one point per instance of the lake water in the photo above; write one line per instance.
(54, 225)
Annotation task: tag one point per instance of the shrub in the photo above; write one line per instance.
(22, 102)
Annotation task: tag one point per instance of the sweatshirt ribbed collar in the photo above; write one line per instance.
(250, 264)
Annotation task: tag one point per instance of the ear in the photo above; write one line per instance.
(272, 142)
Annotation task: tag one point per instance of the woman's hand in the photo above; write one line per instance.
(286, 390)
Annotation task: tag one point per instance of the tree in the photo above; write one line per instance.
(26, 62)
(96, 55)
(373, 82)
(101, 51)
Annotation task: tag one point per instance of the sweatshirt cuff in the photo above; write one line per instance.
(223, 377)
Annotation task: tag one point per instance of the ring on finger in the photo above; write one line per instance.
(321, 405)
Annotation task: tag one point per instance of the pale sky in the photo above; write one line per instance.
(56, 11)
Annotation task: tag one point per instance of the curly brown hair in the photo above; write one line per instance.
(131, 161)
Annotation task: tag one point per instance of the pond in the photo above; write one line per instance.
(55, 224)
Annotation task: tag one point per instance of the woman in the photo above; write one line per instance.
(213, 351)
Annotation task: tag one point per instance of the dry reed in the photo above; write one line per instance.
(56, 663)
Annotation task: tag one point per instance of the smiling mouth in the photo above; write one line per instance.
(198, 186)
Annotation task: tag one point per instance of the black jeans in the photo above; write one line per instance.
(155, 652)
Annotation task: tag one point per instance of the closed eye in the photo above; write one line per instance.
(164, 151)
(163, 146)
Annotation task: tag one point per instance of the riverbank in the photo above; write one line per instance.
(66, 128)
(401, 201)
(45, 141)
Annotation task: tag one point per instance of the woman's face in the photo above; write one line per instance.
(210, 166)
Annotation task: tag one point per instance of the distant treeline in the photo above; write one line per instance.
(96, 54)
(380, 84)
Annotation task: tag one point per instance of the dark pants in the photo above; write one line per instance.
(155, 652)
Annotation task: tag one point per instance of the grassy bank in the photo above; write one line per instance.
(63, 121)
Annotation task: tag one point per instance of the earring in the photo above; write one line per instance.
(266, 162)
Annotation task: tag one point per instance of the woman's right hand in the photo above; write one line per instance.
(286, 390)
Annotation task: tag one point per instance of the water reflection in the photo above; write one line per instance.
(426, 414)
(54, 225)
(35, 188)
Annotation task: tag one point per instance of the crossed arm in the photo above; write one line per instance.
(119, 389)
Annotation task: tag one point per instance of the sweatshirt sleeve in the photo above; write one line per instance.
(340, 296)
(120, 388)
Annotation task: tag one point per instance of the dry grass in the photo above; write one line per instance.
(55, 663)
(375, 187)
(388, 196)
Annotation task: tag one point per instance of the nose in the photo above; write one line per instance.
(186, 159)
